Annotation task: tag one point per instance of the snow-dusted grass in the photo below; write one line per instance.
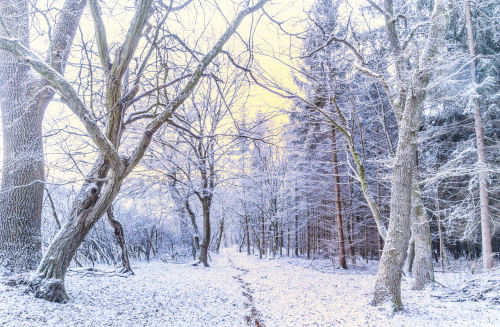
(283, 292)
(298, 292)
(159, 294)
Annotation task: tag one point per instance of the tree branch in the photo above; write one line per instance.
(65, 89)
(152, 127)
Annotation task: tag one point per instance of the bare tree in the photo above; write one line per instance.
(104, 180)
(411, 95)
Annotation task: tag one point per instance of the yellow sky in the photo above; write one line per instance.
(268, 39)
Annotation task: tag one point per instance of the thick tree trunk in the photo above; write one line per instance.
(205, 240)
(388, 284)
(120, 238)
(423, 271)
(481, 161)
(23, 100)
(340, 227)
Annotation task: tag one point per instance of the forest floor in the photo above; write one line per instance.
(244, 291)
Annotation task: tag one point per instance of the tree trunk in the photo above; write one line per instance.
(205, 240)
(423, 271)
(288, 241)
(410, 256)
(440, 234)
(340, 228)
(281, 243)
(481, 161)
(23, 100)
(91, 203)
(196, 233)
(120, 238)
(219, 238)
(388, 283)
(296, 235)
(247, 232)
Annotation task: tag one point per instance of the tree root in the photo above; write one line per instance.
(49, 289)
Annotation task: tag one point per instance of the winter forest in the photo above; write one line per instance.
(250, 163)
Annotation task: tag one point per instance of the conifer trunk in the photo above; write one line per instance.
(481, 161)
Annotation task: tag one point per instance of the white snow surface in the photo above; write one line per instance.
(237, 290)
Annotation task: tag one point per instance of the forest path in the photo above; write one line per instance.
(254, 317)
(238, 291)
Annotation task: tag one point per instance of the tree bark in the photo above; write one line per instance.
(120, 238)
(481, 161)
(23, 100)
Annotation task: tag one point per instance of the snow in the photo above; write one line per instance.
(238, 291)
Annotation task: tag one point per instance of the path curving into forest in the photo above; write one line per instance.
(253, 317)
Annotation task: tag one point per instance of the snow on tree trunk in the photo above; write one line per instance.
(388, 283)
(219, 236)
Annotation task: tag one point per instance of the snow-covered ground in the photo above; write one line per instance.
(240, 291)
